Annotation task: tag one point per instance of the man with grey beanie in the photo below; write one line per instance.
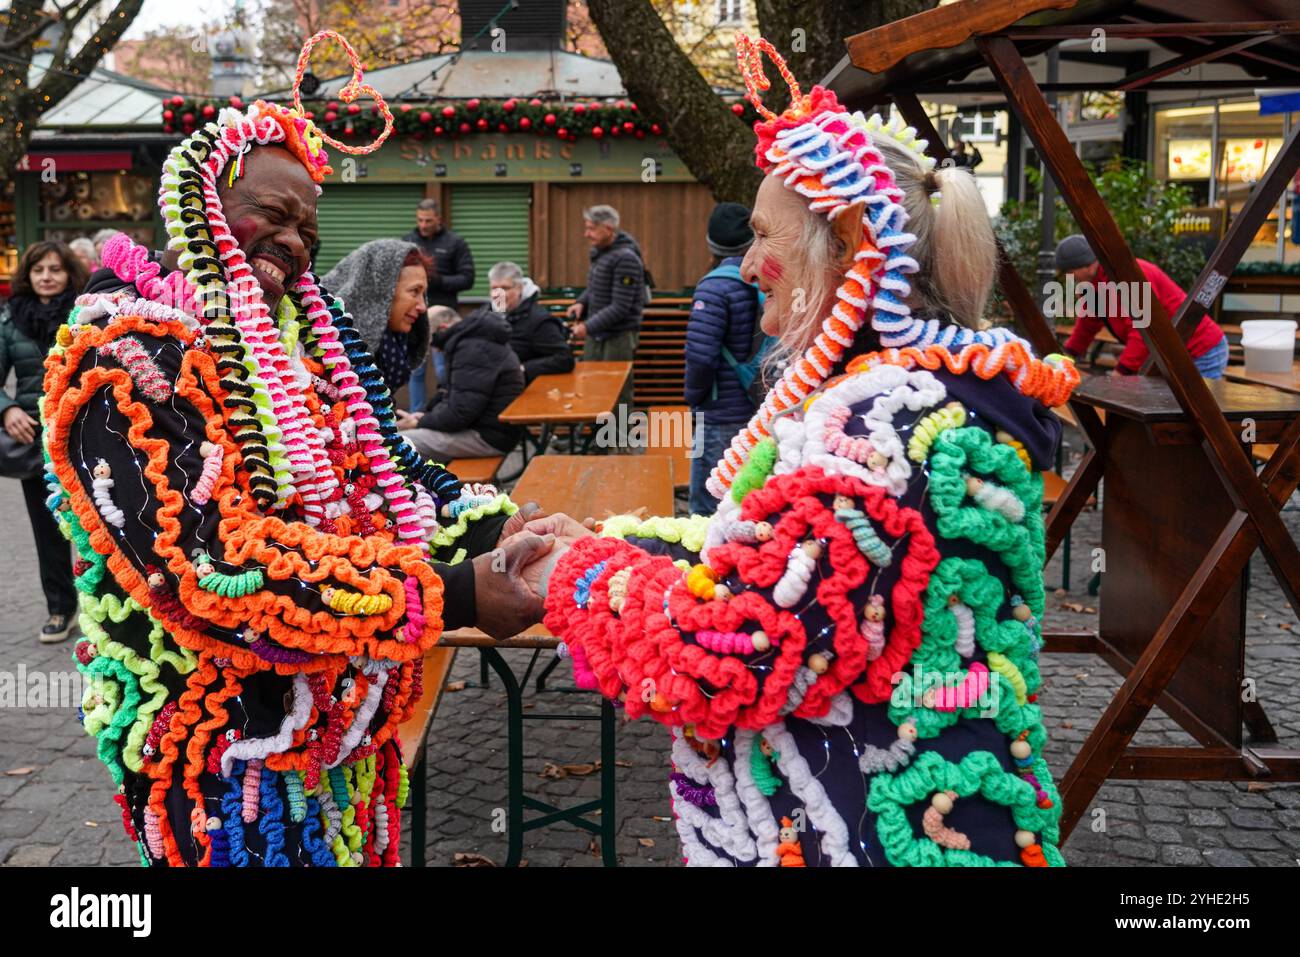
(1097, 302)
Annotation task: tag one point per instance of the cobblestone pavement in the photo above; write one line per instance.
(56, 807)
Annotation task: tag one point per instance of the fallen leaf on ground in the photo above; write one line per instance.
(594, 848)
(1074, 606)
(1067, 725)
(622, 764)
(455, 686)
(1286, 626)
(91, 823)
(17, 771)
(646, 841)
(557, 771)
(1259, 786)
(659, 817)
(1081, 675)
(1060, 593)
(463, 859)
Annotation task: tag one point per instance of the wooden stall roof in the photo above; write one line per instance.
(930, 51)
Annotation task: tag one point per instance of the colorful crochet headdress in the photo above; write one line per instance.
(215, 283)
(827, 155)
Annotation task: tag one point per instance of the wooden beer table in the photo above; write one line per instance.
(576, 398)
(1286, 381)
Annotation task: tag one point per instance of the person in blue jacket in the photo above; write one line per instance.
(724, 347)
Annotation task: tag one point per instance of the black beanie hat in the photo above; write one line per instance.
(729, 232)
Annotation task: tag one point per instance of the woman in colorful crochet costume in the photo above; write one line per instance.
(255, 543)
(846, 654)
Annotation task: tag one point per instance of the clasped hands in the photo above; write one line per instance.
(508, 579)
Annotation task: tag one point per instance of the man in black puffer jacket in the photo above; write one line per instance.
(537, 336)
(483, 377)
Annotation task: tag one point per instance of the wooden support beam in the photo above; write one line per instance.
(939, 28)
(1140, 31)
(1226, 453)
(1143, 78)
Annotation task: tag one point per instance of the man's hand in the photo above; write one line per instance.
(407, 420)
(20, 426)
(574, 311)
(507, 603)
(528, 512)
(580, 330)
(565, 529)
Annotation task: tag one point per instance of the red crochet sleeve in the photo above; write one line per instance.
(686, 658)
(150, 525)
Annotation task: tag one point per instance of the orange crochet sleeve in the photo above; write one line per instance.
(127, 440)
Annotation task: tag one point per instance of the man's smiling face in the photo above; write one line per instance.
(271, 211)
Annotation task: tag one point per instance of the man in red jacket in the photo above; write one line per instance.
(1208, 345)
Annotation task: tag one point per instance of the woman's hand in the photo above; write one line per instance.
(565, 529)
(528, 512)
(20, 426)
(407, 420)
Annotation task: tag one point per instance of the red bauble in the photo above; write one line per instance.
(632, 107)
(628, 126)
(448, 111)
(549, 119)
(464, 127)
(620, 104)
(654, 128)
(331, 116)
(481, 123)
(503, 127)
(354, 109)
(597, 132)
(209, 111)
(579, 108)
(472, 104)
(332, 105)
(188, 118)
(405, 107)
(737, 108)
(236, 102)
(425, 116)
(508, 106)
(534, 102)
(168, 115)
(347, 131)
(640, 134)
(309, 114)
(562, 133)
(167, 127)
(525, 123)
(437, 131)
(178, 101)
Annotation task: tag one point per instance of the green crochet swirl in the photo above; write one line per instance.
(958, 452)
(688, 532)
(977, 773)
(752, 475)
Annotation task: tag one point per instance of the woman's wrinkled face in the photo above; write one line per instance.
(777, 261)
(48, 276)
(408, 299)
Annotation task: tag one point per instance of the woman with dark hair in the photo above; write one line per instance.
(49, 278)
(383, 284)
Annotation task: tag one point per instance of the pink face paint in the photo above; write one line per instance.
(771, 269)
(243, 229)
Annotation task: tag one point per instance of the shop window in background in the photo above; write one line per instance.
(82, 203)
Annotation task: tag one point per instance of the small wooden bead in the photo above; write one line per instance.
(1025, 839)
(763, 531)
(942, 802)
(1021, 749)
(1022, 613)
(761, 641)
(818, 664)
(907, 731)
(721, 592)
(812, 549)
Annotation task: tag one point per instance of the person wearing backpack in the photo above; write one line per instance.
(724, 349)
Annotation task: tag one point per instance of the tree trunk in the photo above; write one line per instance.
(22, 105)
(714, 144)
(810, 33)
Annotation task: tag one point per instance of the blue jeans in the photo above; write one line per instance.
(711, 440)
(1212, 364)
(416, 386)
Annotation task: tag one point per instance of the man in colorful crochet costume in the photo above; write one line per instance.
(846, 654)
(262, 561)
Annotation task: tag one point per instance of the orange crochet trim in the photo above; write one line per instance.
(1051, 385)
(246, 534)
(196, 746)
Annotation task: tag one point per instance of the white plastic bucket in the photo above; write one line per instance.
(1269, 344)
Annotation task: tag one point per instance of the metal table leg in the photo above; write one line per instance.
(419, 800)
(515, 756)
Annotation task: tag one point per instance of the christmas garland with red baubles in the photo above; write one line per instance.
(567, 121)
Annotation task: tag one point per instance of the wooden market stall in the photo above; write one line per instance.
(1185, 509)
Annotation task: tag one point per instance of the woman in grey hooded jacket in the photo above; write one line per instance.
(383, 284)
